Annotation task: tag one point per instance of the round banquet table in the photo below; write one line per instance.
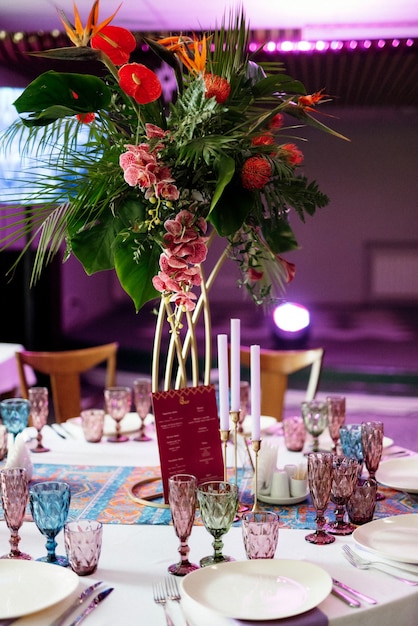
(136, 555)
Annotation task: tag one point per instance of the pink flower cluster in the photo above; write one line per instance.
(141, 167)
(185, 248)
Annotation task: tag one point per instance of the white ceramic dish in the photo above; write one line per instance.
(266, 422)
(269, 500)
(394, 538)
(401, 474)
(129, 424)
(259, 589)
(31, 586)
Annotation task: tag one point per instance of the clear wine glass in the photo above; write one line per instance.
(218, 502)
(372, 446)
(142, 400)
(49, 504)
(118, 404)
(315, 418)
(320, 469)
(14, 497)
(38, 398)
(15, 414)
(344, 480)
(336, 418)
(182, 498)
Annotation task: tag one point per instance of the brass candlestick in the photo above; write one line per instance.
(225, 439)
(256, 444)
(234, 415)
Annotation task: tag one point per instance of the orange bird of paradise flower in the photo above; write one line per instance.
(81, 36)
(191, 52)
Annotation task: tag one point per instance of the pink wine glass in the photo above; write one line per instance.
(344, 480)
(118, 404)
(372, 446)
(142, 400)
(336, 418)
(320, 469)
(14, 498)
(182, 498)
(38, 398)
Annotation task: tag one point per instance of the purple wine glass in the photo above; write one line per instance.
(14, 497)
(344, 480)
(182, 498)
(320, 469)
(372, 446)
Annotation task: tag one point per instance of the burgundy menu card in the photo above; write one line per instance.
(187, 426)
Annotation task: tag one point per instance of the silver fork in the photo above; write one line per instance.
(173, 593)
(361, 563)
(161, 599)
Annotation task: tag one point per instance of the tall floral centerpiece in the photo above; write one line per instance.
(143, 186)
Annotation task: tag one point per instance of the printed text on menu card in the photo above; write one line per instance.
(187, 426)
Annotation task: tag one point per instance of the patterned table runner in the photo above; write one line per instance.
(104, 493)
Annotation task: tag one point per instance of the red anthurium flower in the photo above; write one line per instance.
(139, 82)
(256, 173)
(85, 118)
(116, 42)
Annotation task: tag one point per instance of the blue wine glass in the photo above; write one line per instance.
(351, 443)
(49, 504)
(15, 414)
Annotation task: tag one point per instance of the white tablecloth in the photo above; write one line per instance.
(9, 378)
(133, 557)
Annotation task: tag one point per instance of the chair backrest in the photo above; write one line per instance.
(275, 368)
(64, 369)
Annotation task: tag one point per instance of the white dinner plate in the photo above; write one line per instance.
(259, 589)
(266, 422)
(31, 586)
(395, 538)
(129, 424)
(401, 474)
(269, 500)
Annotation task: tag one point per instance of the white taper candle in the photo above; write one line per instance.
(235, 364)
(255, 391)
(223, 381)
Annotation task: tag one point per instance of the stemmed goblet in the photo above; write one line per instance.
(350, 437)
(38, 398)
(118, 403)
(142, 400)
(15, 414)
(218, 502)
(315, 418)
(49, 504)
(14, 497)
(336, 418)
(372, 446)
(344, 480)
(320, 468)
(182, 499)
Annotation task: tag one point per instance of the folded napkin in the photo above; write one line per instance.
(18, 455)
(267, 462)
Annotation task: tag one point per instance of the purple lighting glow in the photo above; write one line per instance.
(291, 317)
(321, 45)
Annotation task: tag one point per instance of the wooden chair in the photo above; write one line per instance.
(64, 370)
(275, 368)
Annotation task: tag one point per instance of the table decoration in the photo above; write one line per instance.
(44, 586)
(372, 446)
(15, 414)
(49, 504)
(157, 181)
(272, 588)
(14, 497)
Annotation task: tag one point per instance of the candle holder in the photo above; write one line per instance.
(225, 438)
(235, 415)
(256, 444)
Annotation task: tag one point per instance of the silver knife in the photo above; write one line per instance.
(74, 605)
(354, 592)
(345, 597)
(101, 596)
